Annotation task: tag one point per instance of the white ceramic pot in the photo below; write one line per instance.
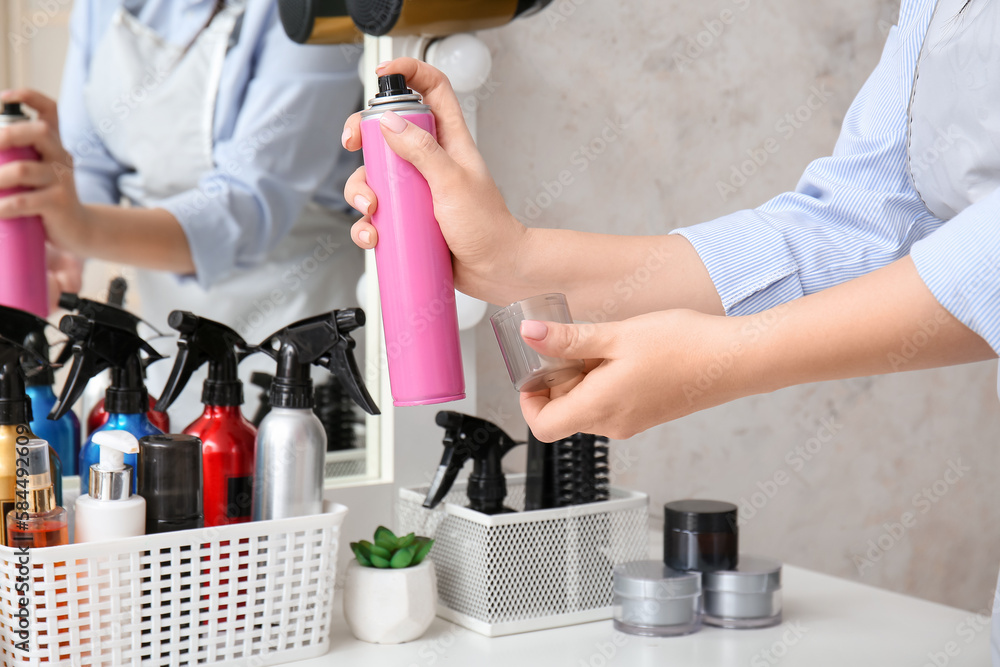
(388, 606)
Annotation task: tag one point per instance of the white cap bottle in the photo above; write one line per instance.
(111, 511)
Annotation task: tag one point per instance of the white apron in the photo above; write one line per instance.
(166, 139)
(954, 147)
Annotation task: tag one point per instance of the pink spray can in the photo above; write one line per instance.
(23, 281)
(416, 284)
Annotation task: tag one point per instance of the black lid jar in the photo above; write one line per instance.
(700, 535)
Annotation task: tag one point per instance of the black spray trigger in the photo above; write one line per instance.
(204, 341)
(467, 437)
(99, 345)
(324, 340)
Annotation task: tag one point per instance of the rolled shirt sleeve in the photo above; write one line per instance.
(283, 151)
(960, 264)
(851, 213)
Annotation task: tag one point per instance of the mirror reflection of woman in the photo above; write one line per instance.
(885, 257)
(214, 128)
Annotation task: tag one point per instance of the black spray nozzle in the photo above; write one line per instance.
(486, 444)
(116, 291)
(392, 84)
(95, 347)
(325, 341)
(205, 341)
(107, 313)
(18, 330)
(12, 109)
(110, 313)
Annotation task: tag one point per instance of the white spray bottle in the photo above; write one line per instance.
(111, 511)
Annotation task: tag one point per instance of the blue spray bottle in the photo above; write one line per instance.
(99, 343)
(62, 435)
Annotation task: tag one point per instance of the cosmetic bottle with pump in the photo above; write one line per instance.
(415, 279)
(97, 346)
(291, 441)
(110, 510)
(63, 435)
(110, 313)
(486, 444)
(227, 438)
(43, 522)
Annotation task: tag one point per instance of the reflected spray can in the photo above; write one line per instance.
(23, 282)
(416, 284)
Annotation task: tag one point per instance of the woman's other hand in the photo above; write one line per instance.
(639, 372)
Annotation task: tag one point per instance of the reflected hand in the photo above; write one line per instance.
(53, 189)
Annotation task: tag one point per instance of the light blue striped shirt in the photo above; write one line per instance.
(264, 73)
(857, 211)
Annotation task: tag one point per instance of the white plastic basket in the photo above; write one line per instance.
(524, 571)
(257, 593)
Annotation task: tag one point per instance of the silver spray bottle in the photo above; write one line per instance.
(291, 441)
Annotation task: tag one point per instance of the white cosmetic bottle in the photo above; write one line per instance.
(111, 511)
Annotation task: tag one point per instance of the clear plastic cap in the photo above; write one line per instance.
(529, 370)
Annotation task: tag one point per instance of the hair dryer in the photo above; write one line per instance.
(338, 21)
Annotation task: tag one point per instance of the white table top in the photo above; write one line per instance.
(828, 622)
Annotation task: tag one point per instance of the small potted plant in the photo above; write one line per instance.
(390, 595)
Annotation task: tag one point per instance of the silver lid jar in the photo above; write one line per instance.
(748, 596)
(651, 599)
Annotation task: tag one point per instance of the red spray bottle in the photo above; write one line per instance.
(228, 439)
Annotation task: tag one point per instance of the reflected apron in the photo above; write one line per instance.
(166, 140)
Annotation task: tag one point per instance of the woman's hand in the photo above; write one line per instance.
(639, 372)
(53, 189)
(483, 235)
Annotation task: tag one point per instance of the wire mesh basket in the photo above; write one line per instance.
(258, 593)
(524, 571)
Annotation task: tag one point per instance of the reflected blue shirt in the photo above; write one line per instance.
(857, 211)
(264, 72)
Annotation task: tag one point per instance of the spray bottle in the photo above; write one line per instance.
(228, 439)
(486, 444)
(62, 435)
(291, 441)
(111, 511)
(97, 346)
(416, 284)
(23, 281)
(15, 407)
(110, 313)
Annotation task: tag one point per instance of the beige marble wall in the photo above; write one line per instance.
(683, 90)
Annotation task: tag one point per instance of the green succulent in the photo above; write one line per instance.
(388, 551)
